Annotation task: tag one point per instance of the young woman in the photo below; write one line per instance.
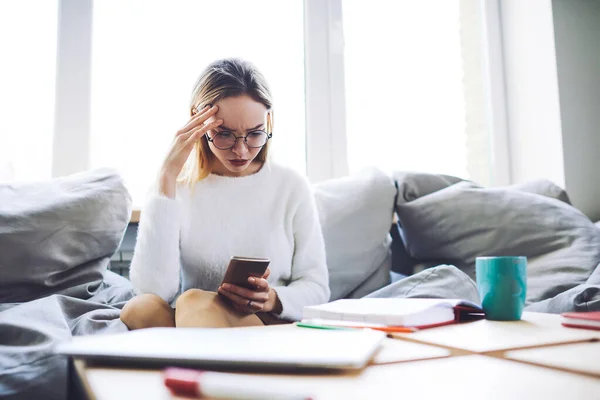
(219, 196)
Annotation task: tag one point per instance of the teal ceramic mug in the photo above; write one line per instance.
(502, 286)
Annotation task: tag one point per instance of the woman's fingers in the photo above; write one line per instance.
(197, 110)
(261, 284)
(198, 119)
(194, 134)
(254, 295)
(267, 273)
(242, 303)
(181, 145)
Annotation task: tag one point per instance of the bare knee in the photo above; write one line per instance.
(147, 311)
(201, 309)
(195, 298)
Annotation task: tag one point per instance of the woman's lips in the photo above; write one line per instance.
(238, 163)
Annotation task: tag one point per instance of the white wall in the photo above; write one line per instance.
(551, 51)
(535, 140)
(577, 42)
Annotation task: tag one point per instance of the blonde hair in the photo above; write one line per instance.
(230, 77)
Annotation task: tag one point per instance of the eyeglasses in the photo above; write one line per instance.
(226, 140)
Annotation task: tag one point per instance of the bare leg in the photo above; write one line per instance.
(147, 311)
(199, 309)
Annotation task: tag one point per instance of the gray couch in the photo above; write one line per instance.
(57, 239)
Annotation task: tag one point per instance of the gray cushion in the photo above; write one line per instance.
(413, 185)
(378, 279)
(355, 214)
(458, 223)
(543, 187)
(58, 236)
(584, 297)
(441, 282)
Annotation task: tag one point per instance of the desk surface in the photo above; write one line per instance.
(577, 357)
(535, 329)
(465, 377)
(405, 368)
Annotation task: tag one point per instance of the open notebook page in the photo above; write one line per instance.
(398, 312)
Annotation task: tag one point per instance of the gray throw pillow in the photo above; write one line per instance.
(543, 187)
(458, 223)
(58, 236)
(356, 214)
(413, 185)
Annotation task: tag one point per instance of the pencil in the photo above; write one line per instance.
(394, 329)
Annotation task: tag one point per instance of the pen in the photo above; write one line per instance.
(220, 385)
(334, 324)
(319, 326)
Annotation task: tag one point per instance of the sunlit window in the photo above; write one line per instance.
(27, 87)
(404, 92)
(147, 56)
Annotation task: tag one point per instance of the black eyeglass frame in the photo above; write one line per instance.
(269, 136)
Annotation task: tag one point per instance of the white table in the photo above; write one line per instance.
(476, 360)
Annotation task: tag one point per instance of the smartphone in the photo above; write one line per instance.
(241, 268)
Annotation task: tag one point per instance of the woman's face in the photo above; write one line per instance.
(241, 116)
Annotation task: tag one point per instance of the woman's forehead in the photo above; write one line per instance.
(241, 111)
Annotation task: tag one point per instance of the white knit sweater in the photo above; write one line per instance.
(187, 242)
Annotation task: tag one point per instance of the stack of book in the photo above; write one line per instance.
(585, 320)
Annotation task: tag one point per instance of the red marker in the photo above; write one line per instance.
(219, 385)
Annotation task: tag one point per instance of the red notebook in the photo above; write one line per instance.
(585, 320)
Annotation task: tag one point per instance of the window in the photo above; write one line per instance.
(404, 85)
(27, 79)
(404, 94)
(147, 56)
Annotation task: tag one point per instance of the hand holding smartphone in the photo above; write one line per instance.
(241, 268)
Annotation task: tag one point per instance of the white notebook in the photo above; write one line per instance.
(396, 312)
(286, 347)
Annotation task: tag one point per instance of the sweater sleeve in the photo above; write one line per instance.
(156, 261)
(309, 284)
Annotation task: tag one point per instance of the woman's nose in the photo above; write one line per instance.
(240, 147)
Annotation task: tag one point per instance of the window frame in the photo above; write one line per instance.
(496, 93)
(326, 144)
(72, 112)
